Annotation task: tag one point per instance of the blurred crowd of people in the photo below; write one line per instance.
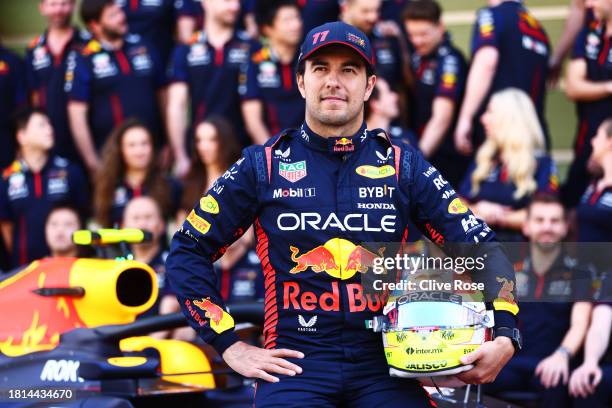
(128, 120)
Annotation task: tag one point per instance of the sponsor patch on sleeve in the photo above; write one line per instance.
(197, 222)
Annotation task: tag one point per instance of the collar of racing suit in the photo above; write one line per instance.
(336, 145)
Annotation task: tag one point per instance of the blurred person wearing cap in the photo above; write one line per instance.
(589, 84)
(510, 49)
(114, 77)
(315, 195)
(365, 14)
(47, 58)
(439, 70)
(270, 100)
(554, 289)
(204, 78)
(61, 223)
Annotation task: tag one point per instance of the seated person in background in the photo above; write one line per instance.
(591, 383)
(34, 184)
(145, 213)
(216, 148)
(510, 166)
(553, 324)
(130, 169)
(61, 223)
(382, 109)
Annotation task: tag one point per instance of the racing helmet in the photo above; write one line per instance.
(425, 333)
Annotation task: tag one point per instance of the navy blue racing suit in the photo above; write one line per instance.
(313, 201)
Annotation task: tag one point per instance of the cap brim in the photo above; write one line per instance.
(346, 44)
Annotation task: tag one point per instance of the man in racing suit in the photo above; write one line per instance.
(315, 195)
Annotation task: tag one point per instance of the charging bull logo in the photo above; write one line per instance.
(505, 297)
(220, 321)
(338, 257)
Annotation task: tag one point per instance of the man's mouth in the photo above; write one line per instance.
(333, 99)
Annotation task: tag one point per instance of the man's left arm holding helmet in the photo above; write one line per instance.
(434, 208)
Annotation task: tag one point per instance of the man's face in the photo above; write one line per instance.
(602, 9)
(286, 27)
(362, 14)
(424, 35)
(60, 226)
(546, 225)
(143, 213)
(113, 22)
(57, 12)
(387, 102)
(335, 85)
(38, 133)
(225, 12)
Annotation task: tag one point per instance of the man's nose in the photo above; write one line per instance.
(332, 80)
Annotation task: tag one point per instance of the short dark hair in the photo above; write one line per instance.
(266, 10)
(22, 117)
(545, 198)
(64, 205)
(301, 68)
(91, 10)
(427, 10)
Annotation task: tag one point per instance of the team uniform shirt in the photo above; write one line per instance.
(116, 85)
(523, 48)
(308, 197)
(273, 84)
(497, 188)
(244, 281)
(318, 12)
(125, 192)
(12, 96)
(27, 197)
(45, 77)
(595, 215)
(391, 10)
(212, 76)
(594, 47)
(442, 73)
(388, 58)
(547, 300)
(154, 21)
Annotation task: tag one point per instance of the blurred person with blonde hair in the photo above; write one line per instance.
(510, 166)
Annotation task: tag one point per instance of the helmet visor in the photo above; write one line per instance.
(434, 314)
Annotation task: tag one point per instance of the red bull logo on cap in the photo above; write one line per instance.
(338, 257)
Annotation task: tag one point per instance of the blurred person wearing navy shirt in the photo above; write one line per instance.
(47, 59)
(509, 49)
(589, 84)
(439, 71)
(591, 383)
(12, 97)
(129, 168)
(551, 288)
(216, 148)
(318, 12)
(594, 212)
(61, 223)
(364, 14)
(204, 78)
(155, 21)
(116, 76)
(510, 166)
(271, 101)
(32, 185)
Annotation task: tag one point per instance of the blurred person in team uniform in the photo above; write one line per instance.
(47, 58)
(317, 12)
(191, 18)
(61, 223)
(439, 71)
(32, 185)
(270, 98)
(589, 83)
(510, 166)
(204, 78)
(129, 168)
(12, 97)
(510, 49)
(116, 76)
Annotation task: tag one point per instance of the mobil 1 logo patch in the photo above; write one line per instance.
(294, 192)
(292, 172)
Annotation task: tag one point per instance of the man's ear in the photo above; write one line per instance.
(525, 228)
(19, 137)
(299, 78)
(371, 83)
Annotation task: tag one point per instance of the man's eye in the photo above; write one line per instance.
(319, 68)
(349, 70)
